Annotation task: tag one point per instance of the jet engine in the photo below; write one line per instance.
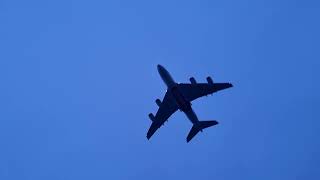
(209, 80)
(158, 101)
(193, 80)
(151, 116)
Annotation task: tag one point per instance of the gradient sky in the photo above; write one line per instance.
(78, 79)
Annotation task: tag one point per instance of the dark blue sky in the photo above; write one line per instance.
(78, 79)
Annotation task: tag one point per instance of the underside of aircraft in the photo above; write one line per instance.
(179, 97)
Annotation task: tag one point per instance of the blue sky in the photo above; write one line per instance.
(78, 79)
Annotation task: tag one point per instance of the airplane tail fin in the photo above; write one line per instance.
(199, 127)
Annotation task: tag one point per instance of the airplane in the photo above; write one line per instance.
(179, 97)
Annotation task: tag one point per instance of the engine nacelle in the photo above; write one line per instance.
(209, 80)
(158, 101)
(151, 116)
(193, 80)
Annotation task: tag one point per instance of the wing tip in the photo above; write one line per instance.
(148, 136)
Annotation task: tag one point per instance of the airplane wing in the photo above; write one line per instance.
(194, 91)
(166, 109)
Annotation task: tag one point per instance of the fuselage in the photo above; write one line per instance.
(181, 101)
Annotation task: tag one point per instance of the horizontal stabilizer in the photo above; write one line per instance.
(199, 127)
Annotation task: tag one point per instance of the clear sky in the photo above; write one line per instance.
(78, 79)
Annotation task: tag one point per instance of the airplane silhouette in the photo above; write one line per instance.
(179, 97)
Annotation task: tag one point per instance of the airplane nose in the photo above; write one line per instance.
(159, 67)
